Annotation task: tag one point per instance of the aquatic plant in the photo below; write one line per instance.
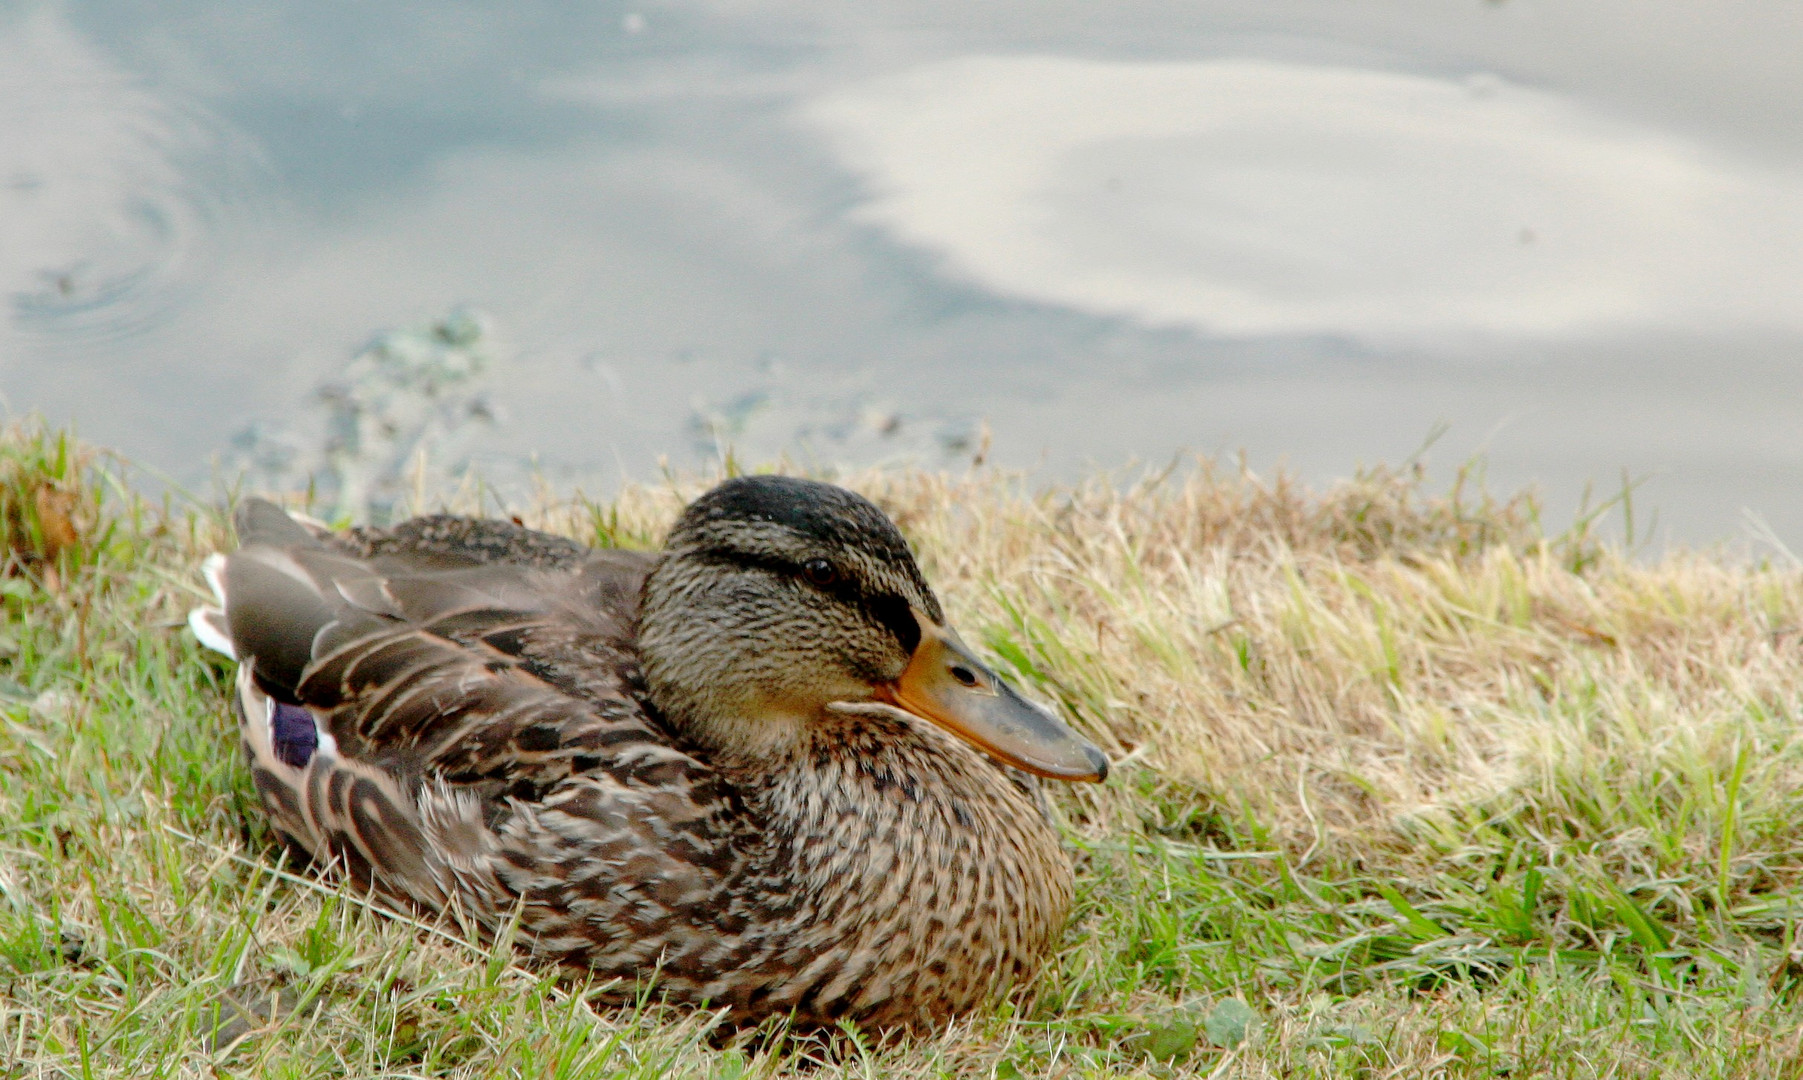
(397, 419)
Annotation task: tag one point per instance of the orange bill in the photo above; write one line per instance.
(947, 684)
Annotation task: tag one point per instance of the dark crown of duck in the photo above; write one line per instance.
(797, 823)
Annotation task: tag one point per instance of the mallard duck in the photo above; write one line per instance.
(757, 769)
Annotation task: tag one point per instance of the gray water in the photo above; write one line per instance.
(1315, 232)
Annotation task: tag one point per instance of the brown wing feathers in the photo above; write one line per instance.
(463, 755)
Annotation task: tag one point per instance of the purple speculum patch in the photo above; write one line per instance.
(292, 734)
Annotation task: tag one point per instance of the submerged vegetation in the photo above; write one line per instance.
(408, 399)
(1405, 787)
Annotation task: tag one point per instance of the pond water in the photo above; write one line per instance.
(1568, 234)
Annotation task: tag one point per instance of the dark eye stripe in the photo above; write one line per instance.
(741, 560)
(891, 611)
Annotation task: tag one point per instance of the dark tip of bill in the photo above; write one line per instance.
(1099, 760)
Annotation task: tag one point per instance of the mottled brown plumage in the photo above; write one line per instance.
(727, 767)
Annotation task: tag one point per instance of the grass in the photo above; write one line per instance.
(1407, 788)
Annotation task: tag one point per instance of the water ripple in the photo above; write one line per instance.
(112, 196)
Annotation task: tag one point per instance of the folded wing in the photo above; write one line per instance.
(479, 744)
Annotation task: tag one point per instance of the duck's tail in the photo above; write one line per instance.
(391, 827)
(272, 729)
(207, 621)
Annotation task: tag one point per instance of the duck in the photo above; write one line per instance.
(756, 771)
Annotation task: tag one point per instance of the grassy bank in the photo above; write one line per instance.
(1407, 789)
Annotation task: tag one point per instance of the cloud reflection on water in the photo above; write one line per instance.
(1252, 197)
(1089, 261)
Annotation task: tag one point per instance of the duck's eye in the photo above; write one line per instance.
(820, 572)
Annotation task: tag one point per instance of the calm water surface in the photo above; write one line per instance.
(1312, 231)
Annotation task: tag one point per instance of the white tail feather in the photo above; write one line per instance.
(209, 626)
(208, 623)
(213, 569)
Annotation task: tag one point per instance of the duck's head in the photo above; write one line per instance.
(783, 604)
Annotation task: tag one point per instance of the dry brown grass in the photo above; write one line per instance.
(1345, 661)
(1432, 792)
